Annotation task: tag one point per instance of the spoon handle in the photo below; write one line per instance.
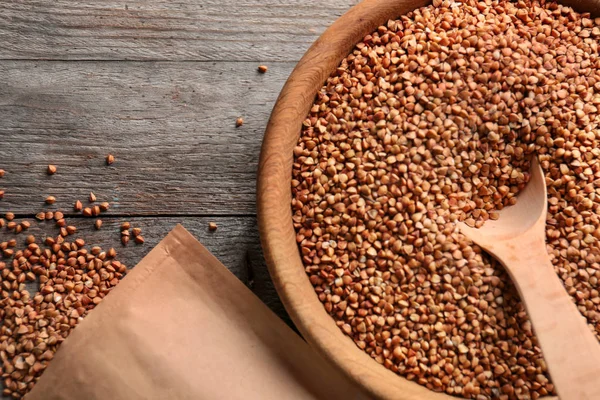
(570, 349)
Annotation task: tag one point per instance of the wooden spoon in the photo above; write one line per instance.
(518, 241)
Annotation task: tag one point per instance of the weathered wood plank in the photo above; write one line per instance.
(248, 30)
(170, 125)
(235, 243)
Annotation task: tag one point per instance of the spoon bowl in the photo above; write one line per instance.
(529, 213)
(517, 239)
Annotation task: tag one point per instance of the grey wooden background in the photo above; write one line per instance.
(159, 84)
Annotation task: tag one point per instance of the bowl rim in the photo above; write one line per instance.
(277, 234)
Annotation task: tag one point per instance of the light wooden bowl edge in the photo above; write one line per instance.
(274, 198)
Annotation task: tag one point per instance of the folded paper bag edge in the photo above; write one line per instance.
(134, 278)
(305, 367)
(252, 306)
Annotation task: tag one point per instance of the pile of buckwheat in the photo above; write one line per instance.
(432, 119)
(48, 285)
(71, 280)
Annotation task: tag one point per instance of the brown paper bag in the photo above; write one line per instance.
(181, 326)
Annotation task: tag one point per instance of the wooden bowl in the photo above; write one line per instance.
(274, 197)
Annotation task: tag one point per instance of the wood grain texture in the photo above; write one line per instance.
(171, 127)
(518, 240)
(207, 30)
(235, 243)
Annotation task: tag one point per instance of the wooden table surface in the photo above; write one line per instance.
(159, 84)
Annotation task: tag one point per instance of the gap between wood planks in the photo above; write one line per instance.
(268, 30)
